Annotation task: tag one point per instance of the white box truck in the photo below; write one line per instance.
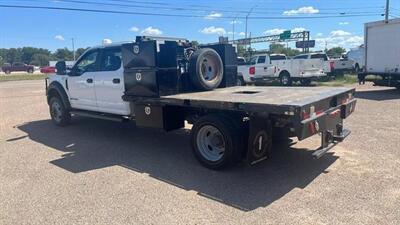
(382, 51)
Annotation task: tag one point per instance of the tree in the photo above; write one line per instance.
(13, 55)
(336, 51)
(79, 52)
(281, 49)
(63, 54)
(195, 43)
(40, 59)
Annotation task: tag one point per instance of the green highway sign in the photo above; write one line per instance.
(285, 35)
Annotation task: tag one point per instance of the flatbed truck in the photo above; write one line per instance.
(230, 123)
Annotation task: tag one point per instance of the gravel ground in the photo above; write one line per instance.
(100, 172)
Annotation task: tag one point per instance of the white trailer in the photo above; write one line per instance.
(382, 51)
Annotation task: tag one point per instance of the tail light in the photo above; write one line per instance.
(252, 70)
(332, 66)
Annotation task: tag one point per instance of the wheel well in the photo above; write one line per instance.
(56, 90)
(283, 72)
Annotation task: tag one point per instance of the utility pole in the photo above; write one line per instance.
(73, 48)
(233, 29)
(247, 17)
(387, 12)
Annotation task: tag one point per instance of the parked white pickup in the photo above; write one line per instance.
(277, 66)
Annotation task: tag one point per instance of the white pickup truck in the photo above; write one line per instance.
(303, 68)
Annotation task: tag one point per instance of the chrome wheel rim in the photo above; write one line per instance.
(56, 111)
(210, 143)
(285, 80)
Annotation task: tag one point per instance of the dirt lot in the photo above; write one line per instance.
(100, 172)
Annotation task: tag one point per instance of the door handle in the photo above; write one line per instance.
(116, 80)
(89, 80)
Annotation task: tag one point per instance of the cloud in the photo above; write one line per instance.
(213, 30)
(150, 31)
(344, 23)
(301, 10)
(59, 37)
(341, 39)
(134, 29)
(213, 15)
(339, 33)
(242, 34)
(320, 34)
(273, 31)
(298, 29)
(277, 31)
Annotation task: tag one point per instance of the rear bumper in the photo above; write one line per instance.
(328, 121)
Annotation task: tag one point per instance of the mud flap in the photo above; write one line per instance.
(260, 140)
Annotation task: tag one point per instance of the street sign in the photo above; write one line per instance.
(305, 44)
(285, 35)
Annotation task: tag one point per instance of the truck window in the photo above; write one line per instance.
(241, 61)
(18, 64)
(319, 56)
(301, 57)
(87, 63)
(253, 60)
(277, 57)
(111, 59)
(261, 59)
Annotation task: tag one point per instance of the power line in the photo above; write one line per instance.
(194, 9)
(184, 15)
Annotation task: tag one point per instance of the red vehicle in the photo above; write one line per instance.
(48, 69)
(20, 67)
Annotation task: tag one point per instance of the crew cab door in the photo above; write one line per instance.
(109, 83)
(264, 67)
(81, 81)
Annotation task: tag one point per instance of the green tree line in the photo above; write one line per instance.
(37, 56)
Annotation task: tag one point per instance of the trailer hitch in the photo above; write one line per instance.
(328, 141)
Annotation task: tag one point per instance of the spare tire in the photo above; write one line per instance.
(206, 69)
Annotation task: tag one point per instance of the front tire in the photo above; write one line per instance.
(216, 141)
(285, 79)
(30, 71)
(59, 114)
(7, 71)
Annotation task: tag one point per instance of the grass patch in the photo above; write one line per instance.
(339, 81)
(27, 76)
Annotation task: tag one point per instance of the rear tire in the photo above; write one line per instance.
(206, 69)
(59, 114)
(217, 141)
(30, 71)
(285, 79)
(7, 71)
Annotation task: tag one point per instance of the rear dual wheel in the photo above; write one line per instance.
(217, 141)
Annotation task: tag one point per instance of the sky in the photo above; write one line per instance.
(197, 20)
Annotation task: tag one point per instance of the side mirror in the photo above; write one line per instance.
(61, 68)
